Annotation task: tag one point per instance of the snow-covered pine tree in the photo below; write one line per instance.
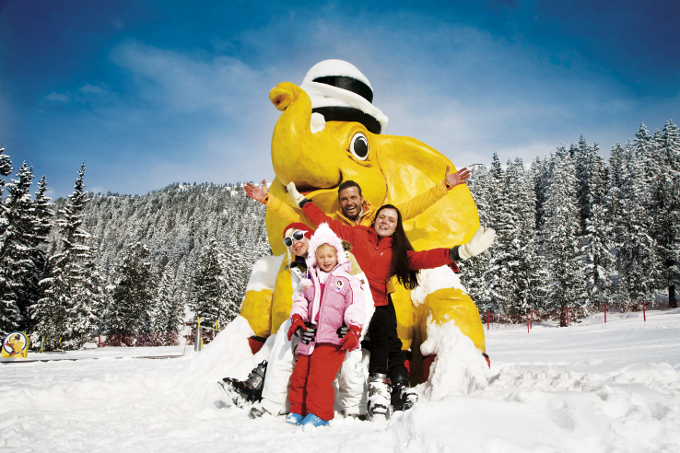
(235, 278)
(596, 231)
(169, 317)
(18, 239)
(9, 311)
(496, 277)
(636, 256)
(560, 241)
(43, 222)
(132, 297)
(666, 210)
(473, 270)
(208, 286)
(66, 311)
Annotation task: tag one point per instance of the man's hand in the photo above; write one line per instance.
(459, 177)
(256, 193)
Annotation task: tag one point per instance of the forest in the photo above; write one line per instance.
(573, 230)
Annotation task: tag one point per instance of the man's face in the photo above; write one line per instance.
(350, 202)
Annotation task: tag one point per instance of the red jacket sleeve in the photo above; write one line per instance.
(317, 217)
(428, 259)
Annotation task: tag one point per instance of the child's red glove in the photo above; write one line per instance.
(296, 321)
(351, 340)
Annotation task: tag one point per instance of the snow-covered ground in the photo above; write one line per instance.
(586, 388)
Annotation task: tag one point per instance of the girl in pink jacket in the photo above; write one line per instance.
(329, 298)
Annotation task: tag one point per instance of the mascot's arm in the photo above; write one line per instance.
(288, 213)
(420, 203)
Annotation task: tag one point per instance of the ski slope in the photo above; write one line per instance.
(587, 388)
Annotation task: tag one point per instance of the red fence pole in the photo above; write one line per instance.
(487, 320)
(527, 322)
(567, 316)
(605, 312)
(644, 315)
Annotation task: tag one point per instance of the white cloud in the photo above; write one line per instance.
(222, 84)
(87, 88)
(57, 97)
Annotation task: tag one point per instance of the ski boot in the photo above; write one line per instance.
(403, 396)
(378, 397)
(248, 391)
(313, 420)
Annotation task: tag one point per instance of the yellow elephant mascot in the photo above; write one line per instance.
(329, 132)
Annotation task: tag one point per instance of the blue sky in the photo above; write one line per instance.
(148, 93)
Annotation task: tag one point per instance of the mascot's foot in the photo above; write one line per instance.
(379, 407)
(403, 396)
(248, 391)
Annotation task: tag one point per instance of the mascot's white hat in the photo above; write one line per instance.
(340, 92)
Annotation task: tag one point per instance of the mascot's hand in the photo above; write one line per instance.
(351, 340)
(459, 177)
(296, 196)
(296, 323)
(481, 241)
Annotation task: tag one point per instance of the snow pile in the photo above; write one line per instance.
(459, 368)
(228, 354)
(588, 388)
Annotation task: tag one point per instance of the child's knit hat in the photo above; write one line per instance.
(324, 235)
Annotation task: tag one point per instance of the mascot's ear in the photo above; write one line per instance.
(412, 168)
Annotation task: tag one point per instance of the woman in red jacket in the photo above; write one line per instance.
(383, 251)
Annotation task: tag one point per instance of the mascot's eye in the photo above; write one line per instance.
(359, 146)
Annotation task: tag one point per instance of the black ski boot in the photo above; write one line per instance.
(378, 397)
(248, 391)
(403, 396)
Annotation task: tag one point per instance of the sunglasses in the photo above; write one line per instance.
(297, 235)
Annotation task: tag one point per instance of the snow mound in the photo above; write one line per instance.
(228, 354)
(459, 367)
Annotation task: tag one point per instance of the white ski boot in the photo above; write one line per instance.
(379, 407)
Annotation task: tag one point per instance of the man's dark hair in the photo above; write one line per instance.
(347, 184)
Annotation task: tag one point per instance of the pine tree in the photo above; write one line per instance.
(66, 311)
(169, 316)
(473, 271)
(10, 315)
(560, 242)
(208, 286)
(15, 254)
(132, 298)
(637, 260)
(666, 209)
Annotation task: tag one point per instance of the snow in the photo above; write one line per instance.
(587, 388)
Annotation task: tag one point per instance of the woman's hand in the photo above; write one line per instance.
(459, 177)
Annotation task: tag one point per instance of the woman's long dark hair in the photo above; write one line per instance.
(400, 245)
